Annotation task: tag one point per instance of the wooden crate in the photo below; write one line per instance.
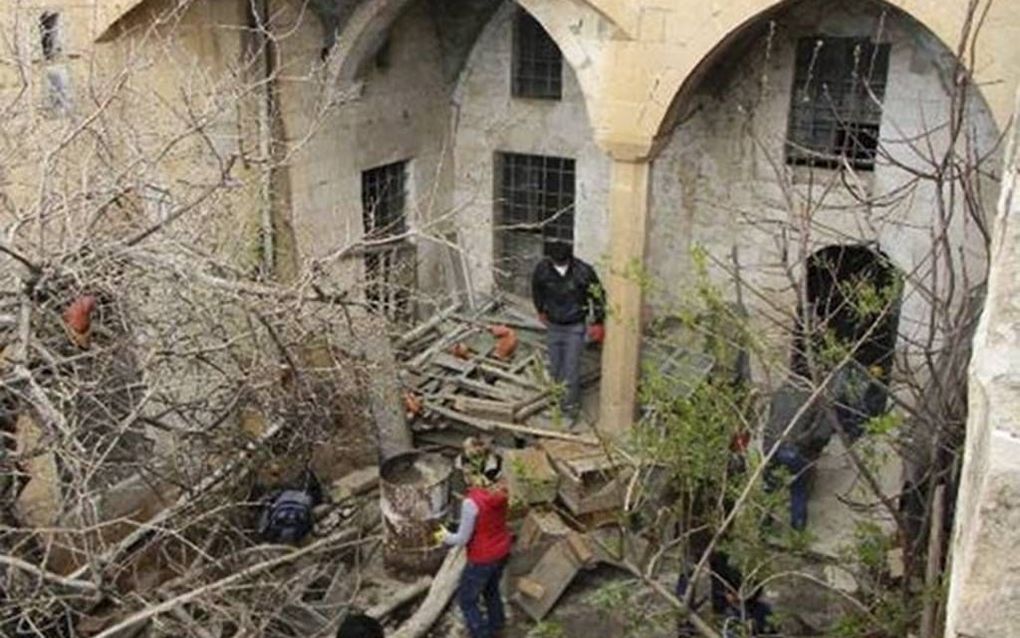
(590, 481)
(537, 591)
(530, 477)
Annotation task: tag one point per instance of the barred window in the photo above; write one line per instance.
(390, 266)
(382, 198)
(534, 208)
(49, 35)
(836, 102)
(537, 61)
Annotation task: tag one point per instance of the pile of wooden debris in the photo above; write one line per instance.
(483, 371)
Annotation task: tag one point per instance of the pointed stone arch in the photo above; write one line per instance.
(706, 29)
(368, 26)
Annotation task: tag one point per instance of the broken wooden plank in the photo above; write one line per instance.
(530, 588)
(579, 547)
(553, 573)
(424, 328)
(509, 377)
(484, 389)
(355, 483)
(457, 416)
(450, 362)
(483, 408)
(488, 426)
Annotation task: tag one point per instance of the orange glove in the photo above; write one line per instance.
(597, 333)
(78, 319)
(412, 405)
(506, 342)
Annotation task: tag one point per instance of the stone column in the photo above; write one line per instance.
(628, 211)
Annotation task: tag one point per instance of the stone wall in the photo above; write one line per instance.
(489, 120)
(984, 591)
(399, 111)
(721, 181)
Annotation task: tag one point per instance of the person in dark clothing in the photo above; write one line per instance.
(360, 626)
(724, 594)
(858, 396)
(800, 447)
(568, 295)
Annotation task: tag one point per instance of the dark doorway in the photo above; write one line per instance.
(852, 307)
(848, 326)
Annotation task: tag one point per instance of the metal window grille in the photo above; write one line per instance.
(390, 266)
(49, 34)
(534, 208)
(537, 61)
(836, 103)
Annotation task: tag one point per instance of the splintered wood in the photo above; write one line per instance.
(483, 372)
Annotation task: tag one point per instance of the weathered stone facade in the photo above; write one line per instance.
(674, 110)
(984, 592)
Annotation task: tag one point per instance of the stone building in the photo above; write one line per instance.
(638, 130)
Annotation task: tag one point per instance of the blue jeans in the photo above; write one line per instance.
(566, 344)
(789, 457)
(482, 580)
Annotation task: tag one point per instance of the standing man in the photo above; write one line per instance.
(567, 295)
(483, 528)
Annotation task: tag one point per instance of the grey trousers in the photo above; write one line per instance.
(566, 343)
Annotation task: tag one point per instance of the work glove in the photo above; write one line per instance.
(439, 536)
(596, 333)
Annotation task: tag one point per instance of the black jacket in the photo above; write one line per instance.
(567, 299)
(812, 431)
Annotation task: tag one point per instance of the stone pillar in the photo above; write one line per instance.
(628, 211)
(984, 587)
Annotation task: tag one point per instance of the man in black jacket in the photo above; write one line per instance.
(567, 295)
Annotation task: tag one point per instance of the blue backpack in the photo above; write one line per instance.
(287, 517)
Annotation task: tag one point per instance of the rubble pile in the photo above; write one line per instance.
(483, 371)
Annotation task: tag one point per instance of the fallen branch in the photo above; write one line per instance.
(132, 540)
(48, 576)
(146, 614)
(443, 587)
(703, 627)
(400, 599)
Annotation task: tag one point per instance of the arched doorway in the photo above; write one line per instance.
(851, 310)
(848, 327)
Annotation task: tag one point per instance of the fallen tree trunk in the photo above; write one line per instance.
(443, 587)
(400, 599)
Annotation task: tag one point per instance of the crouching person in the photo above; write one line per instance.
(483, 529)
(795, 444)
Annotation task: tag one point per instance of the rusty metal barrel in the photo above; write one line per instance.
(415, 498)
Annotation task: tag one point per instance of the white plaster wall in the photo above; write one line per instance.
(400, 113)
(489, 120)
(718, 182)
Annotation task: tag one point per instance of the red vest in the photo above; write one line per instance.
(491, 539)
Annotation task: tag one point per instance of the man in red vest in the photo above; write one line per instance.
(484, 530)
